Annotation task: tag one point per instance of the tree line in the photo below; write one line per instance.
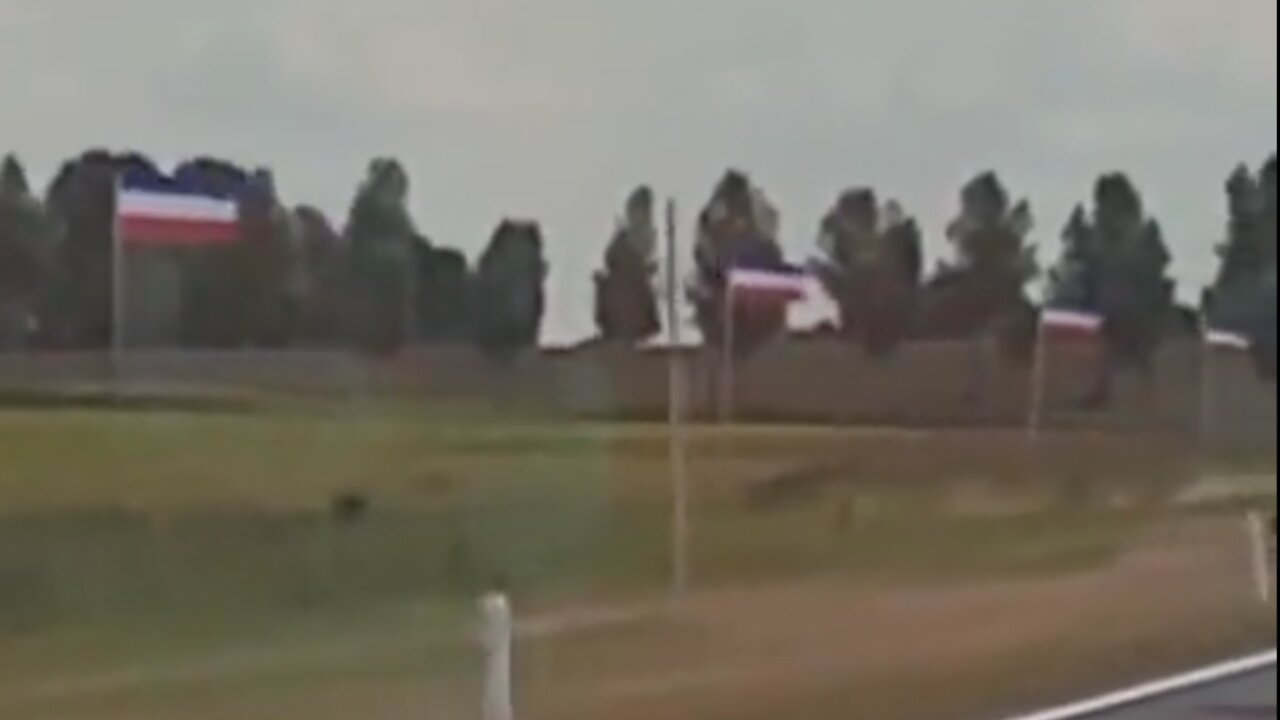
(293, 279)
(378, 283)
(1113, 262)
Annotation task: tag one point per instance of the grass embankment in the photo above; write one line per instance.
(128, 539)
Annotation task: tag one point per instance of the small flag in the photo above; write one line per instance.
(781, 286)
(1227, 340)
(1060, 324)
(169, 217)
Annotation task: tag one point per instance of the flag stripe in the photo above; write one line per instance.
(1061, 333)
(175, 233)
(1226, 340)
(769, 285)
(765, 299)
(1072, 320)
(1071, 326)
(174, 206)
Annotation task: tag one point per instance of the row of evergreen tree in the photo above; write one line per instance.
(292, 281)
(378, 283)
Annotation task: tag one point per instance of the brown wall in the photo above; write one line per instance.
(948, 384)
(926, 385)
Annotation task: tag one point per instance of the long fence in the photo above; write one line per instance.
(953, 385)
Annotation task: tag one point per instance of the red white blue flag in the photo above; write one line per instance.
(167, 217)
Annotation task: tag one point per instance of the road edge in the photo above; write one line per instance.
(1158, 688)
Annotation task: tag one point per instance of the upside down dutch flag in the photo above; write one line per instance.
(172, 217)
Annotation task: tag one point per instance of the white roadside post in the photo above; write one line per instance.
(498, 639)
(1260, 548)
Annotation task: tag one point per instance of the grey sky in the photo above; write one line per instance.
(554, 108)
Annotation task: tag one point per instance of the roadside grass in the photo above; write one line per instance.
(133, 538)
(164, 461)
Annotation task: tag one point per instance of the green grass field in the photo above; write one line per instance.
(131, 539)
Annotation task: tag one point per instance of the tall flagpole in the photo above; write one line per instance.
(1039, 378)
(117, 339)
(727, 380)
(1208, 399)
(680, 527)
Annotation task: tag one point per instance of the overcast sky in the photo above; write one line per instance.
(555, 108)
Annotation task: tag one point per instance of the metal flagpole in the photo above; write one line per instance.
(1208, 389)
(117, 339)
(727, 384)
(409, 298)
(1039, 377)
(680, 528)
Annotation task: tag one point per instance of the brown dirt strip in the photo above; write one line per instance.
(815, 649)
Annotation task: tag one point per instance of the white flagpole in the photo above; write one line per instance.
(1208, 389)
(1039, 378)
(117, 339)
(727, 384)
(680, 527)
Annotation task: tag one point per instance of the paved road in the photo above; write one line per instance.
(1249, 697)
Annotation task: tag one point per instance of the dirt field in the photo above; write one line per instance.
(828, 649)
(818, 648)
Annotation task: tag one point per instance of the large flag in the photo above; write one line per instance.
(777, 286)
(1077, 325)
(169, 217)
